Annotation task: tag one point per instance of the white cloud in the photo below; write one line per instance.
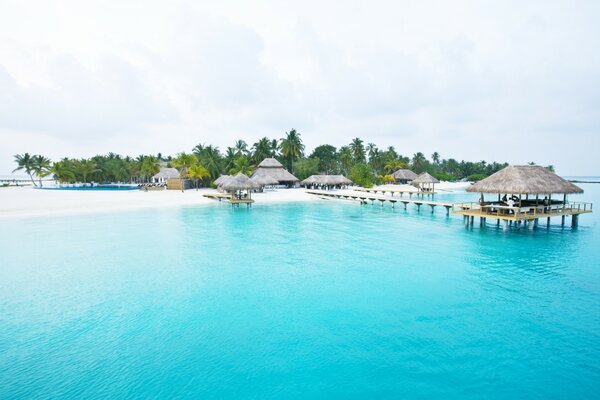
(468, 81)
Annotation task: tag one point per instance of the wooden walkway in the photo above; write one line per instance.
(365, 198)
(228, 197)
(397, 191)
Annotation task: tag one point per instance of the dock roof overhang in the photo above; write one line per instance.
(524, 179)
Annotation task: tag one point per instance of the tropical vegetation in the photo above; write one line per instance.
(365, 164)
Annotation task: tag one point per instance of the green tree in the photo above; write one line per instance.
(435, 157)
(25, 163)
(394, 165)
(63, 171)
(291, 148)
(241, 148)
(211, 159)
(262, 149)
(41, 167)
(85, 168)
(419, 162)
(149, 167)
(198, 172)
(328, 158)
(242, 164)
(345, 157)
(358, 151)
(362, 175)
(306, 167)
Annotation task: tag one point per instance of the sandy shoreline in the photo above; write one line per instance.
(29, 202)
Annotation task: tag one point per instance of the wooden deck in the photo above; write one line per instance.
(365, 198)
(229, 198)
(524, 214)
(396, 191)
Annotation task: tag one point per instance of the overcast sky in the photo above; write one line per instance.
(477, 80)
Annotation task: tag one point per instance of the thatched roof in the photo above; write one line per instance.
(270, 163)
(425, 177)
(272, 168)
(264, 180)
(524, 179)
(326, 180)
(167, 173)
(221, 179)
(404, 174)
(239, 182)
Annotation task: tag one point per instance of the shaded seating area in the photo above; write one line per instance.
(239, 188)
(425, 182)
(524, 193)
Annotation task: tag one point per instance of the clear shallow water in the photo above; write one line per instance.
(324, 300)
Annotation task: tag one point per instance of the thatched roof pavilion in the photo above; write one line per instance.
(165, 173)
(264, 180)
(404, 175)
(326, 180)
(524, 179)
(221, 179)
(425, 182)
(272, 168)
(239, 182)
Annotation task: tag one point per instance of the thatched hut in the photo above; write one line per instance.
(164, 174)
(528, 180)
(404, 176)
(425, 182)
(521, 187)
(221, 179)
(271, 168)
(237, 183)
(263, 181)
(326, 180)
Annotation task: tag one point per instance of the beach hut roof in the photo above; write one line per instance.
(524, 179)
(404, 174)
(167, 173)
(221, 179)
(239, 182)
(326, 180)
(270, 167)
(270, 163)
(425, 177)
(265, 180)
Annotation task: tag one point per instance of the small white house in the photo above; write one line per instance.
(164, 174)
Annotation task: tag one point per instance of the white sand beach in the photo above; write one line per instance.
(30, 202)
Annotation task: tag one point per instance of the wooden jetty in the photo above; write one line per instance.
(229, 197)
(392, 191)
(365, 198)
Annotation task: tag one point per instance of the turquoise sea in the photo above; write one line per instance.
(298, 301)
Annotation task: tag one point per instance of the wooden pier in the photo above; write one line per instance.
(365, 198)
(229, 197)
(526, 215)
(397, 191)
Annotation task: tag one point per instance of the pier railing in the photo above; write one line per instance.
(530, 211)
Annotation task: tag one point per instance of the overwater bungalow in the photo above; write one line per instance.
(425, 182)
(272, 168)
(523, 193)
(404, 176)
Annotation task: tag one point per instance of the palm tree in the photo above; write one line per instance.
(183, 162)
(358, 150)
(241, 148)
(435, 157)
(41, 167)
(211, 159)
(291, 148)
(242, 164)
(25, 163)
(345, 157)
(393, 166)
(198, 172)
(229, 159)
(149, 167)
(63, 171)
(418, 162)
(262, 149)
(84, 168)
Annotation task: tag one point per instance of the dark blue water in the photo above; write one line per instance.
(321, 300)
